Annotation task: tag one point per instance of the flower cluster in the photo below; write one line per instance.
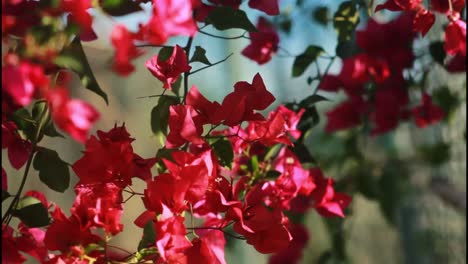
(374, 81)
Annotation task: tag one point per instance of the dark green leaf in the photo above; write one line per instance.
(41, 114)
(5, 195)
(176, 86)
(345, 20)
(447, 100)
(200, 56)
(320, 15)
(393, 185)
(312, 100)
(303, 153)
(149, 236)
(32, 212)
(286, 25)
(437, 51)
(26, 124)
(160, 115)
(165, 53)
(53, 171)
(223, 150)
(272, 175)
(75, 53)
(51, 131)
(303, 61)
(42, 33)
(120, 7)
(223, 18)
(346, 49)
(435, 154)
(163, 153)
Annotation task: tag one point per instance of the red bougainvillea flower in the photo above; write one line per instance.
(455, 38)
(17, 17)
(18, 148)
(207, 110)
(31, 242)
(187, 182)
(457, 64)
(239, 105)
(65, 232)
(74, 116)
(423, 21)
(19, 82)
(264, 42)
(376, 40)
(125, 50)
(185, 125)
(399, 5)
(169, 18)
(208, 248)
(346, 115)
(79, 15)
(427, 113)
(169, 71)
(101, 205)
(328, 203)
(270, 7)
(293, 253)
(110, 158)
(443, 6)
(10, 247)
(171, 237)
(389, 107)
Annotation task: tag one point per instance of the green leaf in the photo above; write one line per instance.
(345, 20)
(163, 153)
(223, 18)
(393, 186)
(346, 49)
(41, 114)
(176, 86)
(286, 26)
(160, 115)
(200, 56)
(165, 53)
(74, 53)
(223, 150)
(120, 7)
(320, 15)
(303, 61)
(447, 100)
(26, 124)
(51, 131)
(272, 175)
(5, 195)
(149, 236)
(312, 100)
(435, 154)
(32, 212)
(53, 171)
(437, 51)
(42, 33)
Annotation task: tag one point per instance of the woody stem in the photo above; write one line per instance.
(186, 74)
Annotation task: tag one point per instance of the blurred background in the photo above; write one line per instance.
(410, 205)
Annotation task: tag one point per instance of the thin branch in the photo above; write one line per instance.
(152, 46)
(208, 66)
(186, 74)
(219, 229)
(222, 37)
